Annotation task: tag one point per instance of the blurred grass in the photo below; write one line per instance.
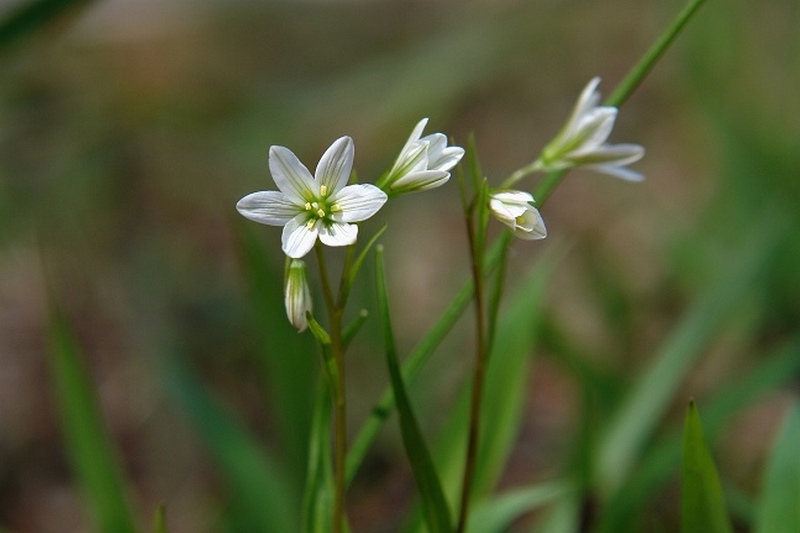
(126, 139)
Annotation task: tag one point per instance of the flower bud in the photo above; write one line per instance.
(298, 295)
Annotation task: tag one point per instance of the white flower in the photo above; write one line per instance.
(424, 163)
(514, 209)
(308, 207)
(582, 141)
(298, 296)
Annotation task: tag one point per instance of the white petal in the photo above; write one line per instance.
(358, 202)
(297, 239)
(587, 100)
(338, 234)
(513, 197)
(595, 127)
(616, 154)
(268, 207)
(440, 156)
(291, 176)
(503, 213)
(420, 181)
(618, 172)
(414, 159)
(531, 226)
(416, 133)
(333, 170)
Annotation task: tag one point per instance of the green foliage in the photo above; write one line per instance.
(90, 450)
(264, 496)
(702, 503)
(779, 508)
(434, 503)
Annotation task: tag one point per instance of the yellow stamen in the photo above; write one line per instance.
(321, 213)
(310, 223)
(307, 206)
(323, 190)
(335, 208)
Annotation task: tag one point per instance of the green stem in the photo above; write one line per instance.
(635, 76)
(479, 377)
(337, 393)
(423, 351)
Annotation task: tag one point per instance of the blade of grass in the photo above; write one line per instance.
(496, 514)
(262, 491)
(288, 375)
(90, 451)
(434, 503)
(318, 498)
(640, 413)
(702, 503)
(505, 384)
(779, 510)
(657, 466)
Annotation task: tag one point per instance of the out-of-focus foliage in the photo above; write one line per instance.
(128, 130)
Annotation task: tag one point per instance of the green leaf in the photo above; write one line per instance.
(284, 356)
(779, 510)
(702, 503)
(160, 519)
(649, 399)
(497, 513)
(319, 490)
(90, 451)
(776, 368)
(262, 491)
(434, 503)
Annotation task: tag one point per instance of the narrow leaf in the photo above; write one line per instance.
(319, 490)
(90, 451)
(779, 510)
(262, 492)
(435, 509)
(643, 408)
(702, 503)
(497, 514)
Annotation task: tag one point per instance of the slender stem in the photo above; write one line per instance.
(338, 394)
(479, 377)
(635, 76)
(536, 166)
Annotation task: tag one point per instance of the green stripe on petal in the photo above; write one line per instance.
(335, 166)
(291, 176)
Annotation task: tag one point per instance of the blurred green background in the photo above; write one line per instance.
(129, 129)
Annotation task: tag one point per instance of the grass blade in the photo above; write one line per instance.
(779, 511)
(88, 445)
(702, 503)
(659, 463)
(640, 413)
(496, 514)
(261, 490)
(318, 498)
(434, 503)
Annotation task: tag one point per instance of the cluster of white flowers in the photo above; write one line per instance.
(325, 207)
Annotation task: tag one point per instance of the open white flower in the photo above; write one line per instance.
(514, 209)
(297, 296)
(424, 162)
(309, 206)
(582, 141)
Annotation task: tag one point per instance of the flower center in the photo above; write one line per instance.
(319, 209)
